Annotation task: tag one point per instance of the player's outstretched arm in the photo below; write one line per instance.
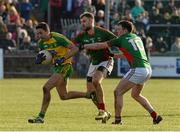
(73, 50)
(96, 46)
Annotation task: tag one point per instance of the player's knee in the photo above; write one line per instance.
(134, 96)
(96, 81)
(45, 90)
(115, 93)
(63, 97)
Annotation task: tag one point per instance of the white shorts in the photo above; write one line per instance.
(138, 75)
(107, 64)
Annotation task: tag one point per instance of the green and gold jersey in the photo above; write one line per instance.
(101, 35)
(58, 43)
(133, 49)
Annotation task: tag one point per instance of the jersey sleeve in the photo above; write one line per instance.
(78, 41)
(114, 42)
(63, 41)
(110, 35)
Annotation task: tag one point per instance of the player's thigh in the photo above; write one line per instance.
(62, 86)
(52, 81)
(98, 76)
(123, 86)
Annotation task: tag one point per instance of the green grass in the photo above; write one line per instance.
(21, 99)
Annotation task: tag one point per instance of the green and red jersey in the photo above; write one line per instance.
(133, 49)
(100, 35)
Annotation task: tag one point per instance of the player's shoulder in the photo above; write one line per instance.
(101, 29)
(80, 34)
(56, 34)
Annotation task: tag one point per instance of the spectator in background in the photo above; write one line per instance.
(88, 7)
(8, 44)
(122, 6)
(26, 9)
(100, 19)
(30, 29)
(175, 18)
(137, 9)
(161, 45)
(114, 20)
(100, 5)
(155, 17)
(128, 15)
(78, 8)
(170, 7)
(175, 47)
(159, 5)
(26, 44)
(3, 12)
(21, 34)
(166, 18)
(3, 27)
(13, 16)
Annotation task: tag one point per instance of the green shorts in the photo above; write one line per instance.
(66, 70)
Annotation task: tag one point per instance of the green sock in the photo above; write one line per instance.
(41, 114)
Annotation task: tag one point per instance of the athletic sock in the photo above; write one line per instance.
(101, 106)
(41, 114)
(153, 115)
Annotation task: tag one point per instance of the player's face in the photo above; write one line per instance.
(120, 30)
(42, 34)
(86, 23)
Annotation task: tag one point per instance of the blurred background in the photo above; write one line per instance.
(157, 23)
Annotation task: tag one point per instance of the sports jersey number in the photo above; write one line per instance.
(136, 43)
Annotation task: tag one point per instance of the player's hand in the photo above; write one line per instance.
(59, 61)
(53, 52)
(40, 58)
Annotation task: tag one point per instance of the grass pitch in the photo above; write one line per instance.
(21, 99)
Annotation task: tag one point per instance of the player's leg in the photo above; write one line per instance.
(65, 73)
(64, 94)
(91, 89)
(90, 85)
(140, 76)
(123, 86)
(136, 94)
(100, 73)
(51, 83)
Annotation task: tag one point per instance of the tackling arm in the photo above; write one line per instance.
(96, 46)
(73, 50)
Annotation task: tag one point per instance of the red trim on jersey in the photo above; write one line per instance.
(126, 53)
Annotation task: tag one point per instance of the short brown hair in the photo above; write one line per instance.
(127, 25)
(43, 25)
(87, 14)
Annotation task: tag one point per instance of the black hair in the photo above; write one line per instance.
(87, 14)
(43, 25)
(127, 25)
